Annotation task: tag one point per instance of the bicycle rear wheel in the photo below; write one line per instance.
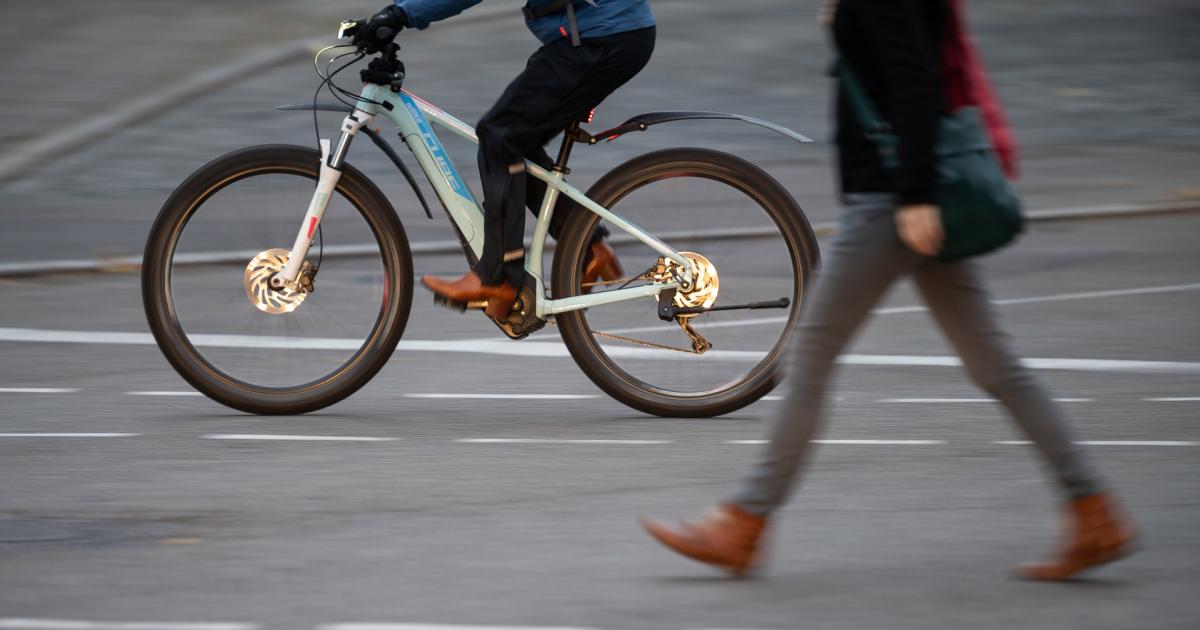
(221, 236)
(721, 210)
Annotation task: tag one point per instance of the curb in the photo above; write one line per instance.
(34, 154)
(125, 264)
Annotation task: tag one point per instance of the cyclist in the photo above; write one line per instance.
(589, 49)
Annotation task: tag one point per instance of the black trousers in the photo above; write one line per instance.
(559, 85)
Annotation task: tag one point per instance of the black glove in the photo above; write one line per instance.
(380, 29)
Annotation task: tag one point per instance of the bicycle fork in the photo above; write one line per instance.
(331, 172)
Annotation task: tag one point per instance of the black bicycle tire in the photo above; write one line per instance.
(577, 234)
(192, 366)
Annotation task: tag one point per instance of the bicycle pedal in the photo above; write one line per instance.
(462, 307)
(445, 302)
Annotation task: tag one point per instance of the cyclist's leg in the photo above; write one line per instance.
(535, 192)
(616, 59)
(560, 85)
(514, 128)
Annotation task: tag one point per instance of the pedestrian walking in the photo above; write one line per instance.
(911, 59)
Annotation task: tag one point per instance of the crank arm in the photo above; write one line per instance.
(697, 310)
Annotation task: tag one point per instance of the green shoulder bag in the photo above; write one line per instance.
(980, 210)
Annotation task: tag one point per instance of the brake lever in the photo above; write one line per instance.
(349, 28)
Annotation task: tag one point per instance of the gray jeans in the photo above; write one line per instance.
(867, 257)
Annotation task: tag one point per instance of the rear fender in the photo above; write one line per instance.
(642, 122)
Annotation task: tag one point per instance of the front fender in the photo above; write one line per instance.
(642, 122)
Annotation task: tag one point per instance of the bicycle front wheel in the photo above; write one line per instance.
(219, 239)
(745, 231)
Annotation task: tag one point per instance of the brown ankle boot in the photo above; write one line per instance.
(469, 288)
(727, 538)
(1098, 533)
(603, 265)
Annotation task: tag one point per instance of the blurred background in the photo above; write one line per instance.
(143, 517)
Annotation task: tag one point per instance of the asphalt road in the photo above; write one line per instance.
(169, 524)
(1103, 96)
(128, 499)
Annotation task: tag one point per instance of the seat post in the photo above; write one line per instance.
(570, 135)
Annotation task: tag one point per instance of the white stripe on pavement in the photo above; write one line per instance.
(64, 624)
(434, 626)
(1088, 295)
(967, 400)
(857, 442)
(38, 390)
(555, 441)
(67, 435)
(558, 350)
(1174, 399)
(508, 396)
(164, 393)
(297, 438)
(1113, 442)
(896, 310)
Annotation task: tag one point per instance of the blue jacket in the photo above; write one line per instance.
(596, 18)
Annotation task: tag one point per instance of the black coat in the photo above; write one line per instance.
(893, 47)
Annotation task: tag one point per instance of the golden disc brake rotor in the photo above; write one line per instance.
(705, 283)
(257, 281)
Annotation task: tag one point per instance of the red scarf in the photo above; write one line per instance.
(967, 84)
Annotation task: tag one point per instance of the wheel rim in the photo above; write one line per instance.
(210, 271)
(724, 221)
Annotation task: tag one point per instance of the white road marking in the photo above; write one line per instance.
(884, 442)
(434, 626)
(703, 325)
(64, 624)
(555, 441)
(1080, 365)
(1113, 442)
(775, 397)
(558, 350)
(1174, 399)
(164, 393)
(896, 310)
(508, 396)
(967, 400)
(67, 435)
(1088, 295)
(297, 438)
(38, 390)
(857, 442)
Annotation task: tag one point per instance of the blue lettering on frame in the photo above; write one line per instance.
(436, 150)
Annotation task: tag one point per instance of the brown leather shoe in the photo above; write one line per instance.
(727, 538)
(602, 265)
(470, 288)
(1098, 533)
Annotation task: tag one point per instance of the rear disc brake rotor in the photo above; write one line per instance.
(705, 283)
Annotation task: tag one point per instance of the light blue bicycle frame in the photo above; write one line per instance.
(412, 116)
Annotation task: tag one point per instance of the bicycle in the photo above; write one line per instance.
(250, 328)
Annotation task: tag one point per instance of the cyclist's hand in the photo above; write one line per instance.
(920, 227)
(380, 29)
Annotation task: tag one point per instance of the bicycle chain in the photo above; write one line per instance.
(629, 340)
(636, 342)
